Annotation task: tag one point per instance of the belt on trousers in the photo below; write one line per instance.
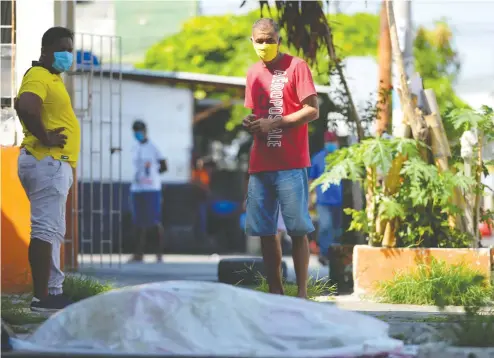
(29, 153)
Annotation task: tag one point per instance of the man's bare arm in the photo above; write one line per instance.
(308, 113)
(28, 107)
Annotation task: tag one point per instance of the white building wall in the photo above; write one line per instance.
(478, 99)
(32, 19)
(97, 18)
(167, 112)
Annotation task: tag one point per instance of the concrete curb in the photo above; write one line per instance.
(442, 351)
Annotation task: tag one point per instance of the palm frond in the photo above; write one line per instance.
(308, 30)
(306, 26)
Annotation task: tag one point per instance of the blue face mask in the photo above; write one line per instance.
(62, 61)
(331, 147)
(139, 136)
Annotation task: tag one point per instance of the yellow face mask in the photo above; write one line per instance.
(266, 52)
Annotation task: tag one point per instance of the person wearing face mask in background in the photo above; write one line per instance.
(328, 203)
(145, 191)
(280, 92)
(49, 154)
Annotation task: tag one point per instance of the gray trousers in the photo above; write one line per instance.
(47, 183)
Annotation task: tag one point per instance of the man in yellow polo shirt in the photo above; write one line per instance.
(49, 153)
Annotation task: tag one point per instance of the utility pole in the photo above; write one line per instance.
(335, 4)
(384, 86)
(198, 8)
(65, 15)
(403, 17)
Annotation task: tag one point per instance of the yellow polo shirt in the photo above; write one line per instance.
(56, 112)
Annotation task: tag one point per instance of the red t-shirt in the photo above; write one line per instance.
(279, 91)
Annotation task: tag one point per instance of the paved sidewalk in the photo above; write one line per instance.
(174, 267)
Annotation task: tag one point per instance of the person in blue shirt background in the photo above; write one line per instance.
(329, 203)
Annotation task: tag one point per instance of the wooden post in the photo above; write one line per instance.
(441, 150)
(383, 123)
(478, 194)
(411, 113)
(71, 248)
(440, 144)
(469, 200)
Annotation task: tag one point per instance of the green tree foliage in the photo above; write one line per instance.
(220, 45)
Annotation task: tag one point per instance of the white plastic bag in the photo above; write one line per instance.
(205, 318)
(468, 141)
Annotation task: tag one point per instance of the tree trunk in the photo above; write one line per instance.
(353, 114)
(383, 123)
(478, 194)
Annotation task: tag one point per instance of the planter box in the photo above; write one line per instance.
(374, 264)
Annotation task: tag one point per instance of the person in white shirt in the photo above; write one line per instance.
(145, 190)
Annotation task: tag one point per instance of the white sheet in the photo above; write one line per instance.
(204, 318)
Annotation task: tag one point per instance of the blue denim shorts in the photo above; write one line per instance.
(268, 192)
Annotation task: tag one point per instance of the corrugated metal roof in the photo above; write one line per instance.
(184, 77)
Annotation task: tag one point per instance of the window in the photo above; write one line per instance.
(7, 53)
(7, 33)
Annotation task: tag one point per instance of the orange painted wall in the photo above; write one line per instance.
(374, 264)
(15, 226)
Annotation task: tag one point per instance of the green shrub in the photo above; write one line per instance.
(79, 287)
(315, 288)
(437, 284)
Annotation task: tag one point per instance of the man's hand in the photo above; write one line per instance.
(264, 125)
(247, 121)
(163, 166)
(54, 138)
(312, 200)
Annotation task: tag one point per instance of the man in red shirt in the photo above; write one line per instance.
(283, 99)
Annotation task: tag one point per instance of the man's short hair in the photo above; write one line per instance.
(266, 22)
(138, 125)
(54, 34)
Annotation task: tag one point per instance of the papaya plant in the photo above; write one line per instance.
(409, 199)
